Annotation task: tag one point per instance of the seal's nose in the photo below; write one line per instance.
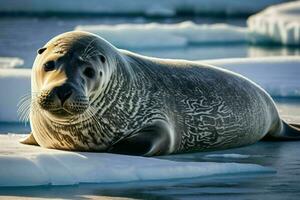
(64, 92)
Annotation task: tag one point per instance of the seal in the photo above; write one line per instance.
(87, 95)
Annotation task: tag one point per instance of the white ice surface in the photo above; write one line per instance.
(167, 35)
(279, 23)
(278, 75)
(24, 165)
(145, 7)
(10, 62)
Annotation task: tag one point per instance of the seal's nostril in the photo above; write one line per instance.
(63, 95)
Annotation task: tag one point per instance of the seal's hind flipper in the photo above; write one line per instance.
(292, 131)
(30, 140)
(285, 132)
(297, 126)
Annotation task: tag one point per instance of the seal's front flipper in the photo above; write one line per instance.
(29, 140)
(149, 141)
(285, 131)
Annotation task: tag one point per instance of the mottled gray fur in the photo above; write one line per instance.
(153, 106)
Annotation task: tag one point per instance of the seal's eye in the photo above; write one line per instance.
(102, 58)
(41, 50)
(89, 72)
(49, 66)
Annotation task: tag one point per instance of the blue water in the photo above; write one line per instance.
(20, 37)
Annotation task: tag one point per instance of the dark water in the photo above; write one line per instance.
(20, 37)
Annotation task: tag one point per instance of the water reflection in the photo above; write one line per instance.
(264, 51)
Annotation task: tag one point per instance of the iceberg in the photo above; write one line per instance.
(167, 35)
(279, 24)
(136, 7)
(279, 76)
(10, 62)
(25, 165)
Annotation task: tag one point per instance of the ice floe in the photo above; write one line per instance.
(24, 165)
(156, 35)
(136, 7)
(279, 24)
(10, 62)
(279, 76)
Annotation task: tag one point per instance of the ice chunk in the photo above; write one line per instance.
(279, 23)
(167, 35)
(10, 62)
(25, 165)
(137, 7)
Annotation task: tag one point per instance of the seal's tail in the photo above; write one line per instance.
(286, 132)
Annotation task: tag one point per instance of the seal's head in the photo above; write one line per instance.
(69, 72)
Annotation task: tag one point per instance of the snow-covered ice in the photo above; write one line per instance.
(167, 35)
(24, 165)
(278, 75)
(10, 62)
(137, 7)
(279, 23)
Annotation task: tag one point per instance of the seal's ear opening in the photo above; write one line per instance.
(41, 50)
(102, 58)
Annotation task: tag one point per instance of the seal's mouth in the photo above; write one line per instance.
(63, 103)
(62, 112)
(68, 109)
